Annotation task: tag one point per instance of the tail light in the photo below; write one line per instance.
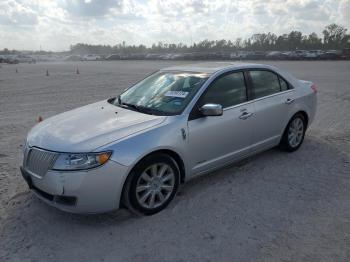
(314, 88)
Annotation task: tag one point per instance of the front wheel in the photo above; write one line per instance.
(152, 184)
(294, 134)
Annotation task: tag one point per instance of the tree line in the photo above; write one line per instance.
(333, 37)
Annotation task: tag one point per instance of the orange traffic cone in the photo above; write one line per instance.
(39, 119)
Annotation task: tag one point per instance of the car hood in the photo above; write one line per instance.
(86, 128)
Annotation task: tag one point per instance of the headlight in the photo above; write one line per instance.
(80, 161)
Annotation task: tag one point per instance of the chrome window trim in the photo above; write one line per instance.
(238, 105)
(258, 99)
(272, 95)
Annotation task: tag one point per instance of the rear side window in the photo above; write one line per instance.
(264, 83)
(227, 90)
(284, 85)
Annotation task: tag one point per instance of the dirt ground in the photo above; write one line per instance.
(275, 206)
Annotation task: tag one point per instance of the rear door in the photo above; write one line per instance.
(273, 98)
(216, 140)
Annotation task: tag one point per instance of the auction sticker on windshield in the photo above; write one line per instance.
(180, 94)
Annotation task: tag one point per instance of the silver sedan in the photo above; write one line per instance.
(136, 149)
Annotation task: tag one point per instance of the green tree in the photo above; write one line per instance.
(334, 36)
(295, 40)
(312, 41)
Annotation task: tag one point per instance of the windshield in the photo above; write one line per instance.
(163, 93)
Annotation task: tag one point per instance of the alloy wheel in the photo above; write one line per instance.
(155, 185)
(295, 132)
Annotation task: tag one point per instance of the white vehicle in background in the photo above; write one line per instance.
(25, 59)
(276, 55)
(239, 55)
(91, 57)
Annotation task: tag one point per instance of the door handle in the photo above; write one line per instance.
(289, 101)
(245, 115)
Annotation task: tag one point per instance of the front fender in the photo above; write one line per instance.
(167, 136)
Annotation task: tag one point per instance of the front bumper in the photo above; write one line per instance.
(96, 190)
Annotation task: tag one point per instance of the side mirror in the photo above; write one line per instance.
(211, 110)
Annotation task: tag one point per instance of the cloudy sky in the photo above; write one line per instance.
(56, 24)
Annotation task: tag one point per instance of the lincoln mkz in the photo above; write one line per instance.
(136, 149)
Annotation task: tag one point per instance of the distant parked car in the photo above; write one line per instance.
(238, 55)
(113, 57)
(214, 56)
(25, 59)
(153, 56)
(276, 55)
(49, 57)
(198, 56)
(135, 150)
(346, 53)
(11, 60)
(165, 56)
(137, 56)
(255, 55)
(73, 58)
(177, 56)
(297, 54)
(313, 54)
(91, 57)
(291, 55)
(331, 55)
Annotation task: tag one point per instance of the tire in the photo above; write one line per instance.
(156, 177)
(296, 128)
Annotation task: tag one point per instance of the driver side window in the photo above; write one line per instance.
(227, 90)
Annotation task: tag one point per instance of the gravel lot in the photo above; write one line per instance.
(275, 206)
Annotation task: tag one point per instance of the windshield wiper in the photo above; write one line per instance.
(132, 106)
(141, 109)
(121, 103)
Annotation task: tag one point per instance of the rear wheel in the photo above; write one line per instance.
(294, 134)
(152, 184)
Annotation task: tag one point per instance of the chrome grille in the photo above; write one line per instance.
(39, 161)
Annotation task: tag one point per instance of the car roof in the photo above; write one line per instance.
(212, 67)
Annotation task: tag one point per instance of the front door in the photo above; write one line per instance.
(217, 140)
